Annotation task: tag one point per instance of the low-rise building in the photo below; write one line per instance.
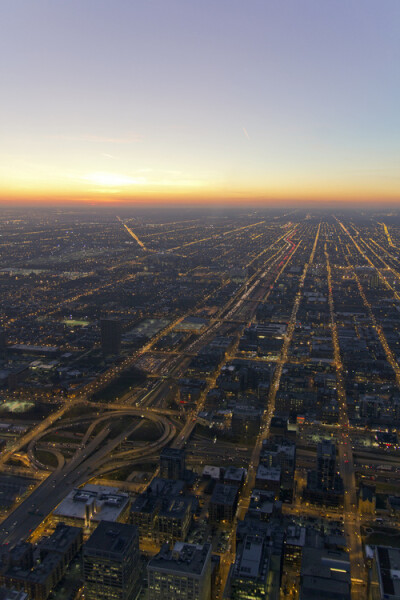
(86, 507)
(38, 580)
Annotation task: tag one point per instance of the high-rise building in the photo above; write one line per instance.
(324, 485)
(3, 344)
(172, 463)
(223, 503)
(250, 572)
(184, 573)
(326, 463)
(257, 571)
(246, 422)
(163, 513)
(111, 332)
(111, 562)
(374, 281)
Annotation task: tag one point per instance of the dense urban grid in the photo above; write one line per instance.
(199, 405)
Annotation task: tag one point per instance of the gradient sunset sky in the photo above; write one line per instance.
(200, 100)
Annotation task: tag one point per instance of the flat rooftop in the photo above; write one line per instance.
(224, 494)
(251, 559)
(268, 473)
(112, 538)
(235, 474)
(185, 559)
(105, 503)
(388, 564)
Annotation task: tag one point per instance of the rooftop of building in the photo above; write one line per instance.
(212, 472)
(242, 411)
(262, 502)
(326, 449)
(54, 549)
(175, 508)
(224, 494)
(112, 538)
(283, 446)
(17, 553)
(252, 558)
(106, 503)
(189, 559)
(311, 586)
(165, 487)
(268, 473)
(61, 539)
(332, 565)
(280, 422)
(296, 535)
(388, 564)
(272, 532)
(145, 503)
(235, 474)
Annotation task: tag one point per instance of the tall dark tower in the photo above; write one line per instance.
(326, 463)
(172, 463)
(3, 344)
(111, 332)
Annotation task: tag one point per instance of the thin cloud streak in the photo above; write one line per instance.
(98, 139)
(245, 132)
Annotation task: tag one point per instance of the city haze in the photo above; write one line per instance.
(200, 102)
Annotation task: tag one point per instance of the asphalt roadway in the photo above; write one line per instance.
(30, 514)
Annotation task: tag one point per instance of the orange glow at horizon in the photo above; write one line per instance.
(203, 196)
(53, 185)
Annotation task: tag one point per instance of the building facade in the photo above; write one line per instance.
(184, 573)
(111, 562)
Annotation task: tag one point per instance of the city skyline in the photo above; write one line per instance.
(175, 102)
(183, 393)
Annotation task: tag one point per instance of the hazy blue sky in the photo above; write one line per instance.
(283, 98)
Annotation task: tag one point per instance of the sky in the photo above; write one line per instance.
(239, 101)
